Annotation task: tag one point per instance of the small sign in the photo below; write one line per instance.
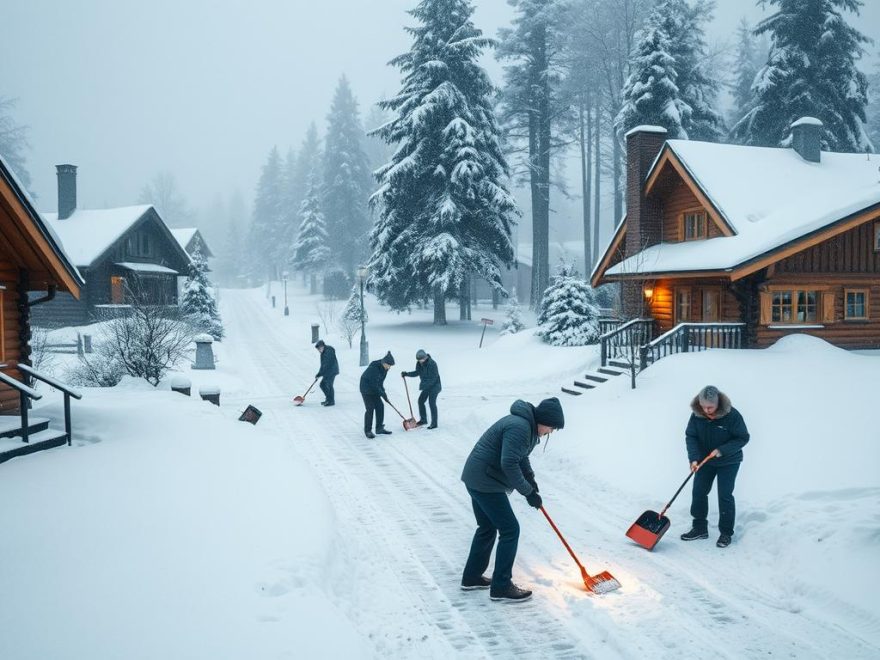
(487, 321)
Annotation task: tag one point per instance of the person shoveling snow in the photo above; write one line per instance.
(373, 392)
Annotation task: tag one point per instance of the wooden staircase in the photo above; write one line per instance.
(592, 380)
(40, 436)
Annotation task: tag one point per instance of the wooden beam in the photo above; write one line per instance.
(612, 249)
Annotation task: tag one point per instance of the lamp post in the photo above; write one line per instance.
(286, 308)
(365, 357)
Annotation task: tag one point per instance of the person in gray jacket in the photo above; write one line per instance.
(497, 465)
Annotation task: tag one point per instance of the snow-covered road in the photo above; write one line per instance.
(404, 526)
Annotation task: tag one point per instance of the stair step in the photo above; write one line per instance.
(572, 392)
(620, 365)
(610, 372)
(10, 425)
(46, 439)
(581, 384)
(595, 378)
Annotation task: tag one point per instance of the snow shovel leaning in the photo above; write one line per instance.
(601, 583)
(298, 400)
(412, 418)
(408, 424)
(651, 526)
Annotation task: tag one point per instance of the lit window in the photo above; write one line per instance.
(682, 305)
(856, 308)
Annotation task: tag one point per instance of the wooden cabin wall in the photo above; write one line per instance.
(12, 346)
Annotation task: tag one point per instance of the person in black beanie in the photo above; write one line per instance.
(497, 465)
(429, 386)
(327, 372)
(373, 391)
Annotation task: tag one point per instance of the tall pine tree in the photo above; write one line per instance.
(265, 249)
(346, 181)
(810, 71)
(198, 302)
(445, 211)
(745, 68)
(310, 251)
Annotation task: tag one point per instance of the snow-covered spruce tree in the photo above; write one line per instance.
(197, 303)
(310, 251)
(346, 181)
(13, 141)
(264, 246)
(444, 209)
(745, 67)
(513, 321)
(873, 110)
(650, 95)
(810, 71)
(569, 315)
(350, 320)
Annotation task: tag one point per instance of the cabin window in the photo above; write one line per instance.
(694, 226)
(877, 237)
(139, 244)
(117, 290)
(856, 308)
(682, 305)
(794, 306)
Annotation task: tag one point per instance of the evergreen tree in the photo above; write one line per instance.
(198, 302)
(513, 321)
(310, 251)
(233, 254)
(873, 111)
(13, 141)
(650, 95)
(265, 249)
(307, 160)
(810, 71)
(745, 67)
(444, 210)
(346, 181)
(569, 315)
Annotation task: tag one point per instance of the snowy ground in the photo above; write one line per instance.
(171, 530)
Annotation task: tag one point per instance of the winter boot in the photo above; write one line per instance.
(329, 403)
(723, 541)
(433, 426)
(695, 534)
(511, 593)
(421, 422)
(480, 583)
(369, 434)
(382, 430)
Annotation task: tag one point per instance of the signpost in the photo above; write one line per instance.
(485, 322)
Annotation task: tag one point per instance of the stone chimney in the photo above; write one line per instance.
(806, 138)
(66, 190)
(643, 221)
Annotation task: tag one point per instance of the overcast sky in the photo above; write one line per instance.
(126, 88)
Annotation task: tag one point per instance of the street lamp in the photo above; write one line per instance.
(362, 273)
(286, 308)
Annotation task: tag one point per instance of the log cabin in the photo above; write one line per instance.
(773, 240)
(112, 248)
(31, 257)
(190, 239)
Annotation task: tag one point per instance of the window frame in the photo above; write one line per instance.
(688, 291)
(866, 292)
(877, 236)
(795, 292)
(699, 213)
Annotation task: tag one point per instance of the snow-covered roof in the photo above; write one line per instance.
(146, 268)
(184, 235)
(87, 233)
(768, 196)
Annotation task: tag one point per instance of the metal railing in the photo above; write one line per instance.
(624, 340)
(66, 389)
(24, 393)
(690, 337)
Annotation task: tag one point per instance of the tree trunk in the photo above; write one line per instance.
(584, 134)
(539, 123)
(439, 307)
(597, 203)
(464, 299)
(313, 285)
(618, 169)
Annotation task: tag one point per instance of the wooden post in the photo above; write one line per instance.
(24, 416)
(67, 425)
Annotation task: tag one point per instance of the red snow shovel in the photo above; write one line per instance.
(651, 526)
(408, 424)
(298, 400)
(601, 583)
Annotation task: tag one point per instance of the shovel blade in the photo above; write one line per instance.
(410, 424)
(298, 400)
(648, 529)
(603, 583)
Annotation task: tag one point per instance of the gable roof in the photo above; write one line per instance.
(770, 197)
(185, 235)
(39, 234)
(87, 233)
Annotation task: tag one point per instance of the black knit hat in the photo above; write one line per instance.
(319, 343)
(388, 359)
(549, 413)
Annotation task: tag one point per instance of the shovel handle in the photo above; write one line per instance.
(406, 387)
(684, 483)
(310, 388)
(562, 538)
(396, 410)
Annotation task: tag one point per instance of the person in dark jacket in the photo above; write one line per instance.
(717, 428)
(327, 372)
(373, 391)
(429, 386)
(497, 465)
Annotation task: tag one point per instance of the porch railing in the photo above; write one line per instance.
(66, 389)
(689, 337)
(24, 393)
(624, 341)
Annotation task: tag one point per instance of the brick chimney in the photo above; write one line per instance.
(806, 138)
(66, 190)
(643, 221)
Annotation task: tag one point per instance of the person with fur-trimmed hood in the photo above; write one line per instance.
(717, 428)
(497, 465)
(373, 392)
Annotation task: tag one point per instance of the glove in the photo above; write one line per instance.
(403, 374)
(385, 397)
(534, 499)
(534, 484)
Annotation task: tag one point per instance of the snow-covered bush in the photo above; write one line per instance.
(337, 284)
(350, 321)
(99, 369)
(198, 303)
(513, 323)
(569, 315)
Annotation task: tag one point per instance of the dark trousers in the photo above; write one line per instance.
(373, 402)
(326, 386)
(494, 517)
(431, 397)
(726, 503)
